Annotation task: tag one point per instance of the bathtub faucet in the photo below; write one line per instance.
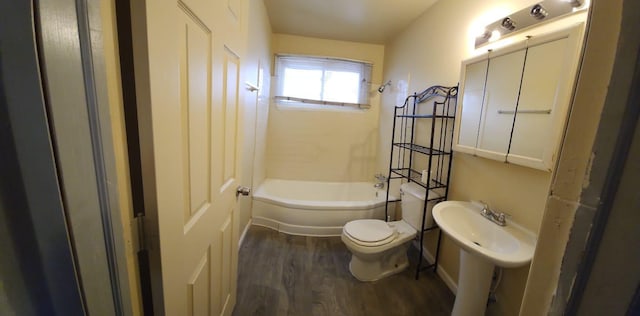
(381, 181)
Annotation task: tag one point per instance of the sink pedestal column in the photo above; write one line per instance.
(474, 282)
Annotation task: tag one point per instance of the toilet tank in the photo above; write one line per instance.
(413, 197)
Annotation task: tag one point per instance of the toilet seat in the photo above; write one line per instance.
(370, 232)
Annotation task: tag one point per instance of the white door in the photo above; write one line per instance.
(187, 71)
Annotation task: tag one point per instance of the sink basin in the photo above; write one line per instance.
(506, 246)
(483, 245)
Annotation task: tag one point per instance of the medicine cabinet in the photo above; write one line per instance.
(514, 101)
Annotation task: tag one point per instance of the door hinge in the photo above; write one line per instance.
(142, 244)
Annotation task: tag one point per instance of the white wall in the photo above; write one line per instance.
(429, 52)
(325, 145)
(255, 104)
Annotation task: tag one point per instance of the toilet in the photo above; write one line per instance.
(379, 248)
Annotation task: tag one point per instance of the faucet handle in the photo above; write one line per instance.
(503, 216)
(485, 207)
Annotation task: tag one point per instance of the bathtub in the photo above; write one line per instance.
(316, 208)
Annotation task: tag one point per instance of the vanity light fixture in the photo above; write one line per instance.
(485, 34)
(495, 35)
(508, 24)
(540, 12)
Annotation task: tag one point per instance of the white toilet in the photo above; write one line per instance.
(379, 248)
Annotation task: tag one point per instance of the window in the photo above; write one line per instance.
(321, 80)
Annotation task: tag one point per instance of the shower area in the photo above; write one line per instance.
(321, 156)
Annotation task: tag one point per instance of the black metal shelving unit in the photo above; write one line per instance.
(431, 150)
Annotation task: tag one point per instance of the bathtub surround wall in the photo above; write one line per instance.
(335, 145)
(255, 71)
(429, 52)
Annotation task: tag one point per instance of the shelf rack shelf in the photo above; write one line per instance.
(421, 149)
(430, 150)
(416, 177)
(425, 116)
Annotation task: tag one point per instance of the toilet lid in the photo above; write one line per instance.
(369, 232)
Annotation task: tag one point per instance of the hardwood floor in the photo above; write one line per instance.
(280, 274)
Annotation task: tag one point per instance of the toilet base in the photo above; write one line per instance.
(383, 265)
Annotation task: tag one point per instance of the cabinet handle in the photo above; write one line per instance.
(525, 111)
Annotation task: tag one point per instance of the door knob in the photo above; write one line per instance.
(242, 190)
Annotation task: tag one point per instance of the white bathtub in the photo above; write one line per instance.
(316, 208)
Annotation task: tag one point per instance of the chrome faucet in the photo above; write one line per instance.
(494, 216)
(381, 181)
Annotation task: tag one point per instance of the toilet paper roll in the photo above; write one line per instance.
(425, 176)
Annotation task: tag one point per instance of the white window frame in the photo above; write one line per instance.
(324, 64)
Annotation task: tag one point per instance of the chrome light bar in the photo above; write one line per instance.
(536, 14)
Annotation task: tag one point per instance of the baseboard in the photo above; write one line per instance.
(244, 233)
(442, 273)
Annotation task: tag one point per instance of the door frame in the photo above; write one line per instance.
(59, 127)
(70, 33)
(41, 275)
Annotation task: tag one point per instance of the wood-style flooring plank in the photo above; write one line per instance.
(280, 274)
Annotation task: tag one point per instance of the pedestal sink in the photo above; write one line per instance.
(484, 245)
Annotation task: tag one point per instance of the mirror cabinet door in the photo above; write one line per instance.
(472, 101)
(501, 97)
(533, 130)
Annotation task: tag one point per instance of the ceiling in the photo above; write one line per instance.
(369, 21)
